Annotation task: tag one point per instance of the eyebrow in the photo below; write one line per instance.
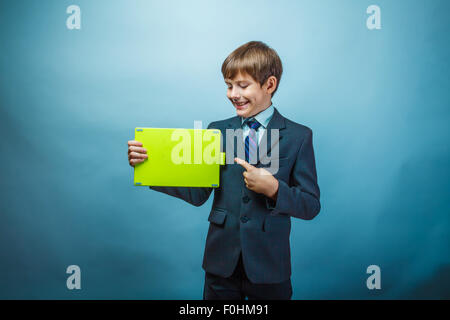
(230, 81)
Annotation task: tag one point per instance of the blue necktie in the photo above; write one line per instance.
(251, 142)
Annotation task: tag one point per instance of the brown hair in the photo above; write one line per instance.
(256, 59)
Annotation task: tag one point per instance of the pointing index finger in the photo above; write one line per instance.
(247, 166)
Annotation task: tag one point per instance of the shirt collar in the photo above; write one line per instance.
(263, 117)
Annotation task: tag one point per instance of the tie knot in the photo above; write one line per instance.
(253, 124)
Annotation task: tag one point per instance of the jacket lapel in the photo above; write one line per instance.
(277, 122)
(234, 124)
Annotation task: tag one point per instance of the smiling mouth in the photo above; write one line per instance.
(241, 105)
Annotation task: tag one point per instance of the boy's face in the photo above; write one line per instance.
(247, 96)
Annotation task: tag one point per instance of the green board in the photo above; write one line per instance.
(179, 157)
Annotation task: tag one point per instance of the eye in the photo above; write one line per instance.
(242, 86)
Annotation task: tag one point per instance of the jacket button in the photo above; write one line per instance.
(246, 199)
(244, 219)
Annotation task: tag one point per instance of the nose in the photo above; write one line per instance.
(235, 94)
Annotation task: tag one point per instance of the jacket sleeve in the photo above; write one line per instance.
(301, 197)
(193, 195)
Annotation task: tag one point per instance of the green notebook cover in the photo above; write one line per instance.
(179, 157)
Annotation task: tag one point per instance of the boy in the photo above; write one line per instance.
(247, 252)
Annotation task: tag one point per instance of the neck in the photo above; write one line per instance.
(267, 106)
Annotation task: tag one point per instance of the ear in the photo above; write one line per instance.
(271, 84)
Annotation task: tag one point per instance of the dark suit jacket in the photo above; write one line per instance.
(242, 220)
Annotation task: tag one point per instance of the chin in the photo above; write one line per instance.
(243, 113)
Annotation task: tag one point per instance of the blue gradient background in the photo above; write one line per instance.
(377, 101)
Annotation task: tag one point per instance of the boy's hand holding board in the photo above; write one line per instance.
(136, 154)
